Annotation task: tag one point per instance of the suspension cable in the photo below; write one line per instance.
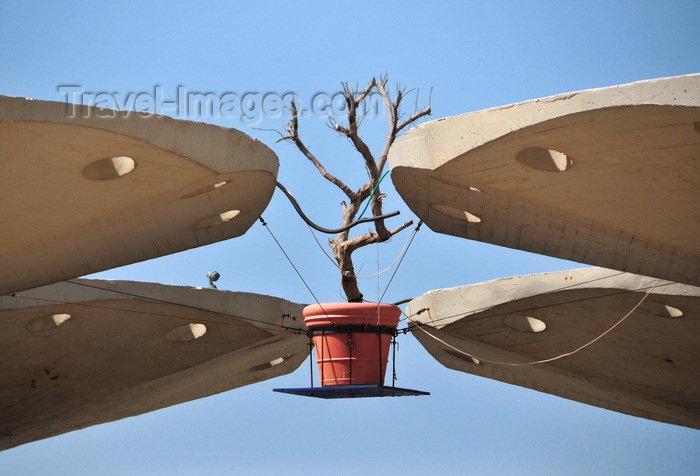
(478, 360)
(405, 251)
(248, 320)
(543, 306)
(264, 223)
(552, 291)
(332, 260)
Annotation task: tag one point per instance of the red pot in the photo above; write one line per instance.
(352, 341)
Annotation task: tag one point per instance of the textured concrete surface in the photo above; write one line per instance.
(93, 191)
(129, 348)
(647, 366)
(609, 177)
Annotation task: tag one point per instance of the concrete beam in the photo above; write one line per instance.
(88, 190)
(646, 366)
(85, 352)
(608, 177)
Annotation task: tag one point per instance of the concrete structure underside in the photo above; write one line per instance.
(608, 177)
(85, 352)
(92, 189)
(647, 366)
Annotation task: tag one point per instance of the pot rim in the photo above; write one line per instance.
(351, 313)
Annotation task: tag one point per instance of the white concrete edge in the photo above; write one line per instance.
(260, 307)
(222, 149)
(432, 144)
(452, 304)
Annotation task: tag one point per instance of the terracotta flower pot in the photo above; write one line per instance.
(352, 341)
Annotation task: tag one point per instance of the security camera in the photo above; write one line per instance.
(213, 276)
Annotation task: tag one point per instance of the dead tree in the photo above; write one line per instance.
(343, 245)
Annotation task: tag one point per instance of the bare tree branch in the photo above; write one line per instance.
(425, 112)
(293, 128)
(373, 237)
(352, 131)
(343, 246)
(391, 110)
(367, 91)
(393, 114)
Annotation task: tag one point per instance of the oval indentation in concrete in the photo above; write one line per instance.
(48, 322)
(549, 160)
(206, 189)
(216, 220)
(109, 168)
(662, 310)
(456, 213)
(186, 333)
(524, 323)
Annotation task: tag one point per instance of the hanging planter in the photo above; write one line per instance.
(352, 341)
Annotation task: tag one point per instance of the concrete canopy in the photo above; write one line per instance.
(646, 366)
(608, 177)
(90, 189)
(85, 352)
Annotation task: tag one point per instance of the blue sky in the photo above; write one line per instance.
(472, 56)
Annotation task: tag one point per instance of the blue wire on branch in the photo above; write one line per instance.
(369, 200)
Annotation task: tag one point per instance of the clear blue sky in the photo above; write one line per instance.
(474, 55)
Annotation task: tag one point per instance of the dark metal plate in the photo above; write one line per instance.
(355, 391)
